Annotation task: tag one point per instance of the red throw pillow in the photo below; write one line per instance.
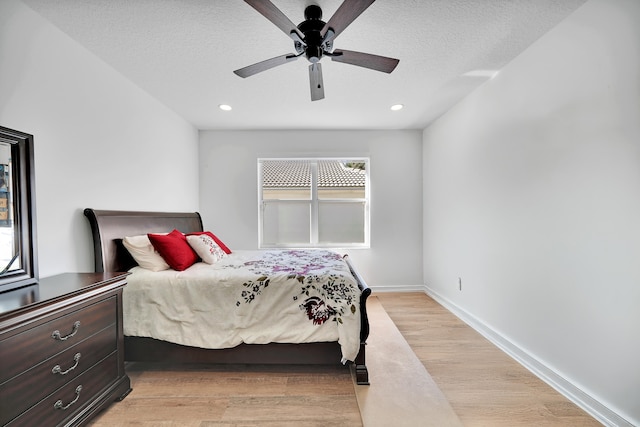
(174, 249)
(215, 239)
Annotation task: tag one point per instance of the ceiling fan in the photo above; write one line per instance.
(314, 38)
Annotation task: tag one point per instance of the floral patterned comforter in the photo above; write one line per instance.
(253, 297)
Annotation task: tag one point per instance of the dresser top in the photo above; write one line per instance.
(52, 289)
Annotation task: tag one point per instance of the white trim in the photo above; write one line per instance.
(313, 229)
(314, 204)
(394, 288)
(260, 206)
(588, 403)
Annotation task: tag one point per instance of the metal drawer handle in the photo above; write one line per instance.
(58, 370)
(60, 405)
(56, 334)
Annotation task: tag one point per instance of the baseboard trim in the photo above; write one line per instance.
(592, 406)
(408, 288)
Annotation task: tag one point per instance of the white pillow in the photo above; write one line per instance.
(206, 248)
(143, 252)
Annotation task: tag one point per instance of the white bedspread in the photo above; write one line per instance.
(253, 297)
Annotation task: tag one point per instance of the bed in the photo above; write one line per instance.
(110, 227)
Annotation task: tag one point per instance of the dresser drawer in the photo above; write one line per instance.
(40, 381)
(27, 349)
(61, 405)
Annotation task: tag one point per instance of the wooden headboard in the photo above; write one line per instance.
(110, 227)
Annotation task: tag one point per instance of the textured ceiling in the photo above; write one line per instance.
(183, 53)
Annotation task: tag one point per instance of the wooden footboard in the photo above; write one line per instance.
(108, 229)
(362, 373)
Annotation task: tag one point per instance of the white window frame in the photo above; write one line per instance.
(315, 202)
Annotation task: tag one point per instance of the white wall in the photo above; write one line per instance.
(532, 198)
(99, 140)
(228, 191)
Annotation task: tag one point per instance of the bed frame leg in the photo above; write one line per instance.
(362, 373)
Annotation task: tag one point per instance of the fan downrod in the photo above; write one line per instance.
(312, 12)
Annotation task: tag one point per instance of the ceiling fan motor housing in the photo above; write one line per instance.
(311, 28)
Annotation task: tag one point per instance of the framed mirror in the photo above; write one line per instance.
(18, 250)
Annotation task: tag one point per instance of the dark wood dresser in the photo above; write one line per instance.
(61, 349)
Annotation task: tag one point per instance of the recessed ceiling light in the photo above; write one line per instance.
(397, 107)
(225, 107)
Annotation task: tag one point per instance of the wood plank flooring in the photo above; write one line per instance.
(208, 396)
(483, 385)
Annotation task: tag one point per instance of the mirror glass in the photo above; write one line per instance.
(8, 239)
(18, 266)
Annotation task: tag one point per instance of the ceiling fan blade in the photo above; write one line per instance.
(275, 15)
(366, 60)
(265, 65)
(315, 81)
(348, 11)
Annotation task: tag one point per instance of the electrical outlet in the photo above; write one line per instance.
(459, 283)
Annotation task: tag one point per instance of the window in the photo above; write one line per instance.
(313, 202)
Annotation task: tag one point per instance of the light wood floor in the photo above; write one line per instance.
(484, 386)
(238, 395)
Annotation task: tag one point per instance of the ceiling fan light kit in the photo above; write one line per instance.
(314, 38)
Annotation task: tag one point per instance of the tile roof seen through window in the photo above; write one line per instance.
(296, 174)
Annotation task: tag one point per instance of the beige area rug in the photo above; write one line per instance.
(402, 393)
